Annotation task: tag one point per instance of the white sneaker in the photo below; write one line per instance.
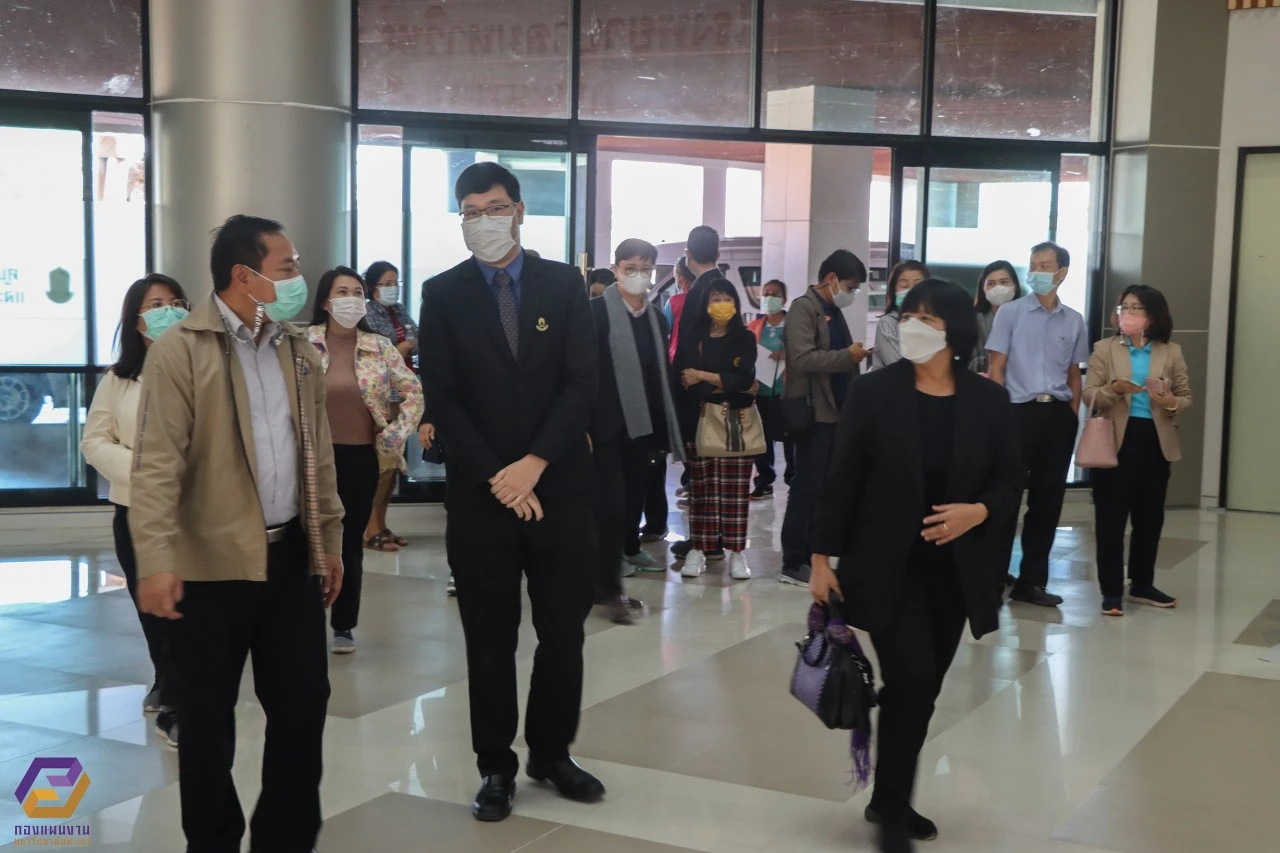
(695, 563)
(738, 568)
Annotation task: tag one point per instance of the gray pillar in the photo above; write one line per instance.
(1165, 183)
(251, 114)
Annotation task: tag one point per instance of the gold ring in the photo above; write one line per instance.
(945, 528)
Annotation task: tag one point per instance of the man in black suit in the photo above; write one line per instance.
(509, 365)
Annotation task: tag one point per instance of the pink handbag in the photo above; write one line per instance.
(1097, 443)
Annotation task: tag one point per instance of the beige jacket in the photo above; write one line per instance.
(810, 359)
(109, 430)
(1110, 361)
(195, 507)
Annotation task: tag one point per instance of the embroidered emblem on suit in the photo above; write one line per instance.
(542, 324)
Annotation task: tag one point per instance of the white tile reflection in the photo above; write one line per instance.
(49, 581)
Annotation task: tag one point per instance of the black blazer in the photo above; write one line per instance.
(607, 420)
(490, 408)
(869, 515)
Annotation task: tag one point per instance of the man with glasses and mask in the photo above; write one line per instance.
(822, 357)
(509, 365)
(633, 423)
(237, 527)
(1037, 345)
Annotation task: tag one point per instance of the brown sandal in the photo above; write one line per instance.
(399, 540)
(381, 542)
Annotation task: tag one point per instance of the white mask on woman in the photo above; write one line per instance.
(389, 294)
(999, 294)
(348, 311)
(919, 341)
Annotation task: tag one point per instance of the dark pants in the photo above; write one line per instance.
(491, 551)
(1047, 437)
(1133, 491)
(915, 652)
(154, 629)
(280, 622)
(357, 470)
(620, 483)
(655, 495)
(765, 474)
(813, 456)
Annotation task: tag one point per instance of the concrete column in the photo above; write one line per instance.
(817, 198)
(252, 114)
(1164, 184)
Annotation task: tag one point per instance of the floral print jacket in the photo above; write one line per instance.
(381, 372)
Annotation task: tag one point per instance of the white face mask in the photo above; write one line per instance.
(389, 294)
(999, 294)
(347, 310)
(489, 237)
(919, 341)
(634, 283)
(843, 298)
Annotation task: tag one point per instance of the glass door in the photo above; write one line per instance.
(433, 231)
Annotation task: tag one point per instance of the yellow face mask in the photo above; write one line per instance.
(722, 312)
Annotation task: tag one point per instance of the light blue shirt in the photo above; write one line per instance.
(275, 444)
(1140, 358)
(1041, 346)
(514, 269)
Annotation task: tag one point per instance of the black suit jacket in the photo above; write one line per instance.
(607, 420)
(490, 408)
(869, 515)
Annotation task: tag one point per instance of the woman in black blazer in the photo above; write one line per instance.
(923, 478)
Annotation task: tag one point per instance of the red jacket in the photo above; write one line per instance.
(676, 304)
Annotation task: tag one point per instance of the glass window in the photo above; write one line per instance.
(843, 65)
(659, 217)
(485, 57)
(1077, 222)
(80, 47)
(1024, 69)
(41, 421)
(380, 199)
(667, 61)
(119, 221)
(743, 196)
(42, 259)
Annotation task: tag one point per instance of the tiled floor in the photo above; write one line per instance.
(1063, 731)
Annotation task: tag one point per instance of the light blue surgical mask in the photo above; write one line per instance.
(160, 319)
(771, 304)
(291, 295)
(1041, 282)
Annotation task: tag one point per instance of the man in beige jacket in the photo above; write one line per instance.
(236, 522)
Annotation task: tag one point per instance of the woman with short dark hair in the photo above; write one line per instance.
(151, 306)
(363, 373)
(1138, 377)
(922, 481)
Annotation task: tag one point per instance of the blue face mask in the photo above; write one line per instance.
(291, 295)
(160, 319)
(1041, 282)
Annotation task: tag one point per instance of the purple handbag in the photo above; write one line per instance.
(834, 680)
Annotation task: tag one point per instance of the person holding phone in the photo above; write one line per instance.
(1139, 378)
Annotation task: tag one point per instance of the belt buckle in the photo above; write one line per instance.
(1044, 398)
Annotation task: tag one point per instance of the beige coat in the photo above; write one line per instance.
(1110, 361)
(109, 430)
(195, 507)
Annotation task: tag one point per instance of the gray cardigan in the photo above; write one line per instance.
(810, 360)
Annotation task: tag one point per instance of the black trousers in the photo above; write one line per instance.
(1134, 491)
(620, 483)
(155, 630)
(1047, 438)
(914, 653)
(765, 473)
(491, 552)
(656, 507)
(357, 469)
(280, 623)
(813, 457)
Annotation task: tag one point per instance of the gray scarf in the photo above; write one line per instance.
(630, 377)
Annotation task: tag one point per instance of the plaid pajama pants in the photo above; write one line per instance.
(719, 490)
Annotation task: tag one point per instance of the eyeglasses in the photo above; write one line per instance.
(491, 210)
(172, 303)
(1130, 309)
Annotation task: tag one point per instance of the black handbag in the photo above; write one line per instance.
(795, 417)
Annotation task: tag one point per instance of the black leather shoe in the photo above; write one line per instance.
(919, 826)
(895, 839)
(569, 779)
(1036, 595)
(494, 799)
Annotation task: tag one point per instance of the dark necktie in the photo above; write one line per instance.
(508, 311)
